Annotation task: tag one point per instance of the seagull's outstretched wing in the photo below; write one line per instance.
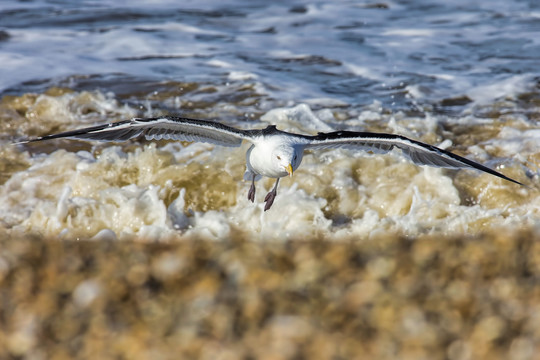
(419, 152)
(165, 127)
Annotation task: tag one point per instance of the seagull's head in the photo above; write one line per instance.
(286, 159)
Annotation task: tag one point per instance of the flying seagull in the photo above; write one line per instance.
(273, 153)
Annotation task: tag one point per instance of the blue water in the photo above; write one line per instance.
(405, 54)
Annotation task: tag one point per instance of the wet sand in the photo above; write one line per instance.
(396, 297)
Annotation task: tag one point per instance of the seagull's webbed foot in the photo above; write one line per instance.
(251, 193)
(269, 199)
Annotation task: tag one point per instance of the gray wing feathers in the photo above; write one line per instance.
(431, 157)
(374, 147)
(167, 128)
(188, 132)
(419, 152)
(114, 134)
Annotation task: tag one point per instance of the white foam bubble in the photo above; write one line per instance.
(507, 87)
(299, 117)
(410, 32)
(241, 75)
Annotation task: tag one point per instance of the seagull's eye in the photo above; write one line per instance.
(279, 157)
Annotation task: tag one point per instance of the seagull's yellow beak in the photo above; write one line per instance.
(289, 169)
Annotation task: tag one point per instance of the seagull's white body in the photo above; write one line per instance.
(269, 156)
(273, 153)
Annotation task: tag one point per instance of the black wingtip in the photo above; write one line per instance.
(494, 172)
(484, 168)
(510, 179)
(27, 141)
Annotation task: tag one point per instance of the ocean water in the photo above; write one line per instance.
(458, 74)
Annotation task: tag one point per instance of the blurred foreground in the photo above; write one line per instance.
(424, 298)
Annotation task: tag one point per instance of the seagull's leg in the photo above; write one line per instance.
(251, 193)
(269, 199)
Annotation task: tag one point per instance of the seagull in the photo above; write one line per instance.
(273, 153)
